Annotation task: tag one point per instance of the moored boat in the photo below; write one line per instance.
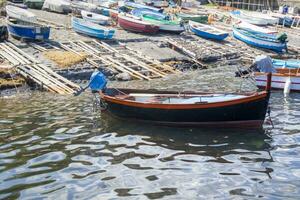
(134, 24)
(191, 17)
(59, 6)
(20, 14)
(174, 26)
(94, 30)
(95, 18)
(184, 108)
(280, 81)
(35, 4)
(253, 18)
(27, 30)
(207, 31)
(251, 27)
(260, 40)
(78, 6)
(133, 5)
(286, 66)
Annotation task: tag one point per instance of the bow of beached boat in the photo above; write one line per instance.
(135, 24)
(94, 30)
(20, 14)
(207, 31)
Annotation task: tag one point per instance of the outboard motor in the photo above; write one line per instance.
(97, 82)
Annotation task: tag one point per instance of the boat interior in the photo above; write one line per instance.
(172, 98)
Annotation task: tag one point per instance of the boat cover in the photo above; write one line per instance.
(264, 64)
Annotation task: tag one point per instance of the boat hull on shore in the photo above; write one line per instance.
(20, 14)
(260, 42)
(136, 25)
(240, 111)
(206, 31)
(95, 18)
(94, 30)
(27, 30)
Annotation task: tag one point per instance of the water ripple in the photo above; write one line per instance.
(57, 147)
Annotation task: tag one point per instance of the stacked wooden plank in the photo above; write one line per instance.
(122, 60)
(28, 67)
(202, 49)
(207, 50)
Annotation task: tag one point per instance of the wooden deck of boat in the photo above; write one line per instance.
(120, 58)
(30, 68)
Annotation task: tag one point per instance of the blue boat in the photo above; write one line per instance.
(27, 30)
(260, 40)
(288, 64)
(207, 32)
(133, 5)
(94, 30)
(139, 12)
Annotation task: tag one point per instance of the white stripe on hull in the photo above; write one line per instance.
(257, 41)
(278, 82)
(175, 28)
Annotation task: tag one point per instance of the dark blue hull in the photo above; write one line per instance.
(207, 35)
(32, 32)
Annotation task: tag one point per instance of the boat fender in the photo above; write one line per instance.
(287, 86)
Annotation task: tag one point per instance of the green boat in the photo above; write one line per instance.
(196, 18)
(35, 4)
(164, 24)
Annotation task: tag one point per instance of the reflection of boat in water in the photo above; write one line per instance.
(206, 140)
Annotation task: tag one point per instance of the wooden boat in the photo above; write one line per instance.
(190, 17)
(260, 40)
(20, 5)
(27, 30)
(94, 30)
(285, 20)
(253, 18)
(188, 108)
(59, 6)
(279, 80)
(35, 4)
(133, 5)
(134, 24)
(160, 3)
(78, 6)
(95, 18)
(20, 14)
(286, 66)
(174, 26)
(207, 31)
(252, 27)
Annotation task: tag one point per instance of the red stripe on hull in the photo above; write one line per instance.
(137, 27)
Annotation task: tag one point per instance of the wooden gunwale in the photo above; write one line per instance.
(253, 97)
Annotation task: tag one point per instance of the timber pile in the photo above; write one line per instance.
(208, 51)
(28, 67)
(201, 49)
(114, 60)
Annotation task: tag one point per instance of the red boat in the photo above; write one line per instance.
(133, 24)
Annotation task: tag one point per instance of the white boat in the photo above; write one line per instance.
(279, 81)
(95, 18)
(60, 6)
(255, 18)
(20, 14)
(248, 26)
